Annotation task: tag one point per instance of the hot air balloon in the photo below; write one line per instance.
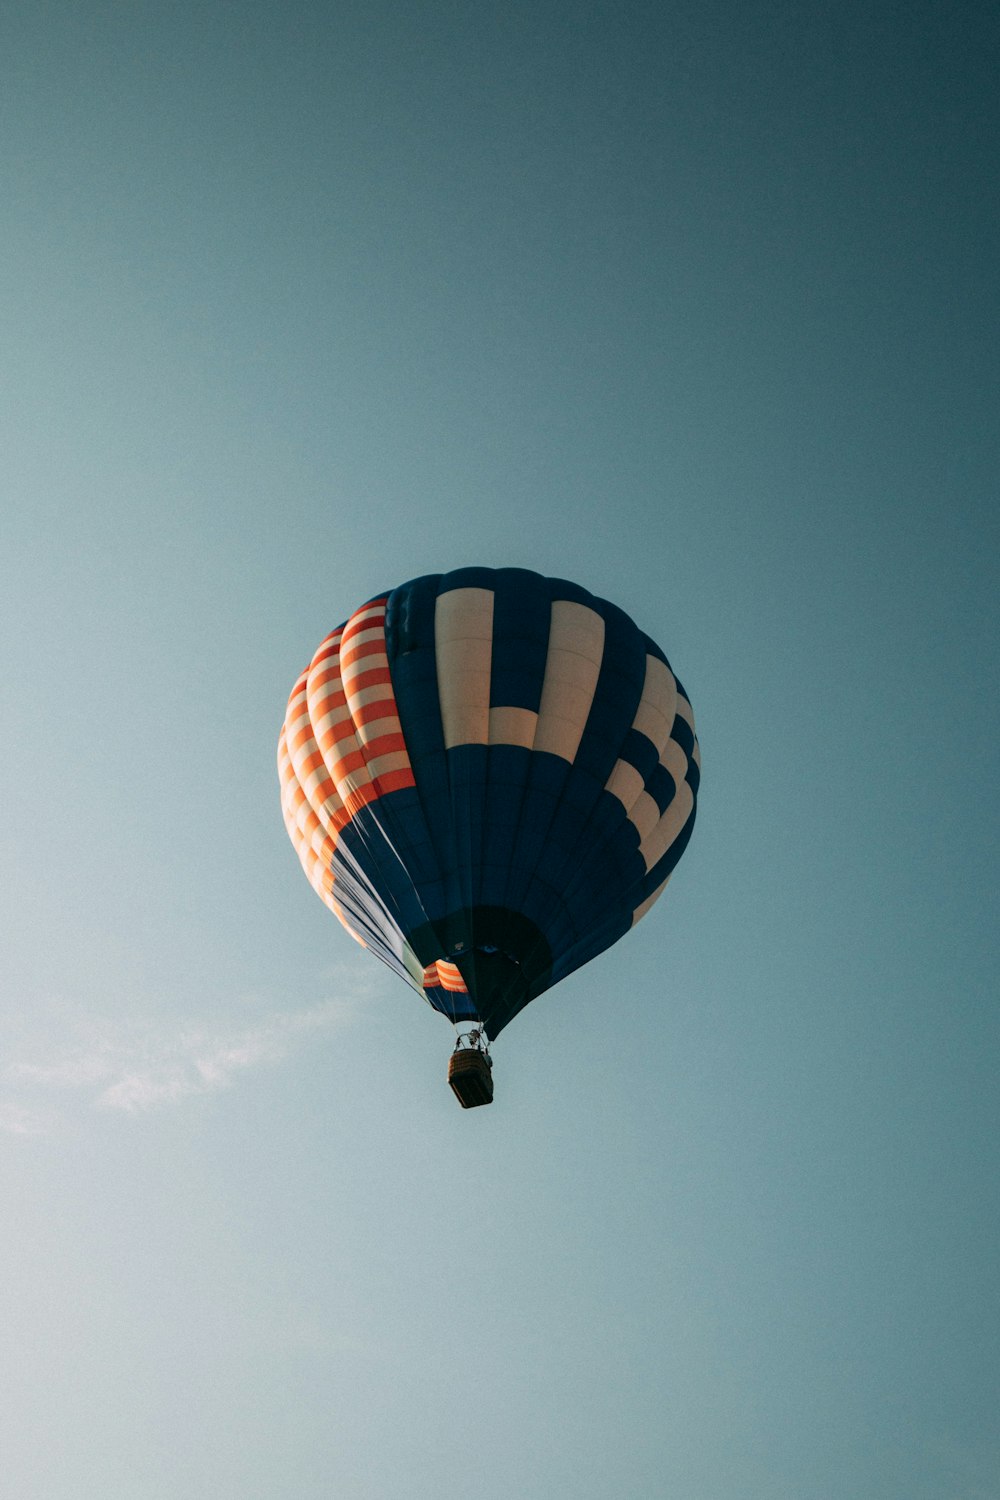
(489, 777)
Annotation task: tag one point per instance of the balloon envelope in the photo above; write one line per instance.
(489, 777)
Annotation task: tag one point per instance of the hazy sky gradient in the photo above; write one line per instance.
(696, 305)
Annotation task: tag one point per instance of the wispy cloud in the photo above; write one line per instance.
(139, 1065)
(16, 1119)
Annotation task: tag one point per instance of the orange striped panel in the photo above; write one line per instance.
(308, 755)
(345, 736)
(443, 975)
(313, 845)
(383, 764)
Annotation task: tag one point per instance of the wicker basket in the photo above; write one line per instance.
(471, 1077)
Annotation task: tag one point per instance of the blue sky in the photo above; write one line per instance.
(695, 305)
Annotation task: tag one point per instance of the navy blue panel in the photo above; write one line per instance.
(662, 788)
(629, 881)
(467, 782)
(561, 588)
(410, 645)
(640, 752)
(401, 816)
(560, 930)
(580, 794)
(452, 1004)
(412, 666)
(368, 918)
(566, 848)
(363, 853)
(589, 947)
(617, 695)
(693, 777)
(433, 774)
(683, 734)
(522, 614)
(546, 776)
(603, 886)
(409, 617)
(598, 880)
(608, 817)
(654, 650)
(667, 864)
(466, 578)
(520, 686)
(507, 777)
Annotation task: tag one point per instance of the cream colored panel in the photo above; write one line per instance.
(395, 760)
(566, 669)
(379, 693)
(371, 661)
(313, 777)
(330, 720)
(361, 637)
(376, 728)
(626, 783)
(464, 614)
(374, 611)
(685, 710)
(559, 737)
(561, 733)
(643, 908)
(655, 715)
(645, 814)
(672, 757)
(463, 643)
(318, 787)
(669, 826)
(577, 627)
(299, 733)
(354, 781)
(464, 694)
(513, 726)
(314, 848)
(576, 647)
(325, 790)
